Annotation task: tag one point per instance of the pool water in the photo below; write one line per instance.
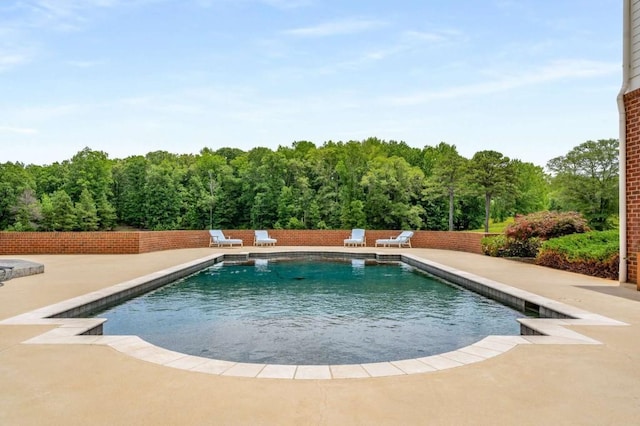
(311, 312)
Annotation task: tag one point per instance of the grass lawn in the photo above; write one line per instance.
(496, 227)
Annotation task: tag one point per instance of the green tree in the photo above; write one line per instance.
(129, 183)
(27, 212)
(470, 212)
(298, 198)
(586, 179)
(352, 161)
(447, 172)
(92, 170)
(157, 158)
(370, 184)
(227, 153)
(413, 156)
(163, 200)
(14, 180)
(86, 212)
(198, 204)
(299, 150)
(325, 182)
(529, 194)
(63, 212)
(107, 216)
(270, 178)
(353, 215)
(286, 206)
(49, 178)
(246, 172)
(492, 174)
(227, 191)
(89, 170)
(207, 167)
(47, 223)
(351, 167)
(392, 189)
(532, 188)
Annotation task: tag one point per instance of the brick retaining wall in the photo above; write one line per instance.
(16, 243)
(69, 242)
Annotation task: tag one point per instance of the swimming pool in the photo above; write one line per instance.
(311, 312)
(554, 324)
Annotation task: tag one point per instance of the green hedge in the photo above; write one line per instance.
(503, 246)
(593, 253)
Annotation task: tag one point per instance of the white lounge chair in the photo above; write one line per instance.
(404, 239)
(218, 239)
(357, 238)
(262, 238)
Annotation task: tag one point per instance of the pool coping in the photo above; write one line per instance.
(87, 331)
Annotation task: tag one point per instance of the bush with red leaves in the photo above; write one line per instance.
(594, 268)
(546, 225)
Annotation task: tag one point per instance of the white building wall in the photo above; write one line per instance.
(634, 48)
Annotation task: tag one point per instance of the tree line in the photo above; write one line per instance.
(373, 184)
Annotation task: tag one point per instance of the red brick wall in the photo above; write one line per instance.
(308, 237)
(15, 243)
(69, 242)
(460, 241)
(632, 107)
(169, 240)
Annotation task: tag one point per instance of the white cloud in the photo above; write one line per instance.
(287, 4)
(406, 41)
(18, 130)
(84, 64)
(10, 60)
(59, 15)
(428, 37)
(69, 15)
(278, 4)
(347, 26)
(557, 70)
(15, 49)
(163, 104)
(39, 114)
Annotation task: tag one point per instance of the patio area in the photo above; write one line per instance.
(529, 384)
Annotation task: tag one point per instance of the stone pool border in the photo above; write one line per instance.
(549, 330)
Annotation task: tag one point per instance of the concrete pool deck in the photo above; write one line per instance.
(529, 384)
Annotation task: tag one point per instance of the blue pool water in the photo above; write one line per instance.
(311, 312)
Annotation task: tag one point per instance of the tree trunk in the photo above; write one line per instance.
(487, 212)
(451, 210)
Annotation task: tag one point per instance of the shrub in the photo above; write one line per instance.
(524, 248)
(593, 253)
(594, 245)
(494, 245)
(546, 225)
(523, 237)
(295, 223)
(321, 225)
(503, 246)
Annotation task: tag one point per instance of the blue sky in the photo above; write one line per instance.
(528, 78)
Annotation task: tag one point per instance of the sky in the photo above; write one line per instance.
(531, 79)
